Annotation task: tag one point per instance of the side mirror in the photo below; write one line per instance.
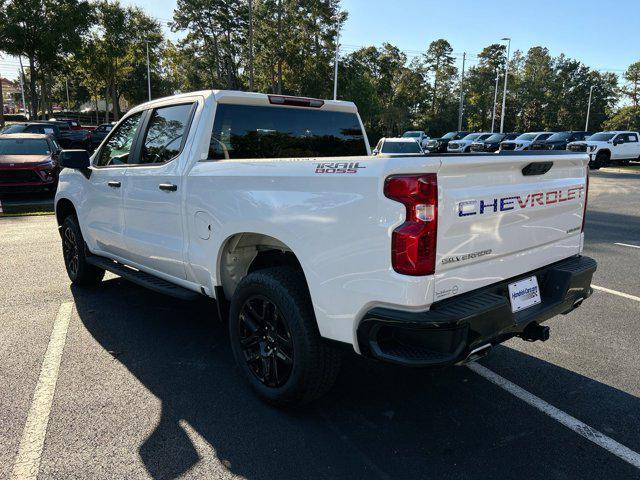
(77, 159)
(375, 151)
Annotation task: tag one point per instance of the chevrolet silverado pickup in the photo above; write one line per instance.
(274, 207)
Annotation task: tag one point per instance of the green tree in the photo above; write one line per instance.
(46, 32)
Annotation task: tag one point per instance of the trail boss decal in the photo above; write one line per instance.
(520, 202)
(339, 167)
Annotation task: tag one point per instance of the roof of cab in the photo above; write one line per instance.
(248, 98)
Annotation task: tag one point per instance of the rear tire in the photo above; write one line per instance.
(275, 338)
(74, 252)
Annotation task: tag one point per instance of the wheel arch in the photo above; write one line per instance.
(245, 252)
(64, 208)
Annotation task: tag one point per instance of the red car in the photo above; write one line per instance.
(28, 162)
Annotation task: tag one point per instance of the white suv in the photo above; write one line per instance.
(604, 147)
(464, 144)
(524, 141)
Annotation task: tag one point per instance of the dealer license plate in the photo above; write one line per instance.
(524, 294)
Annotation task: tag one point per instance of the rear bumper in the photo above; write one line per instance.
(453, 329)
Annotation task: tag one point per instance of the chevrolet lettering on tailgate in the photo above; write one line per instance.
(520, 202)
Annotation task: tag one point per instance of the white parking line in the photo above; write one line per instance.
(27, 462)
(615, 292)
(627, 245)
(558, 415)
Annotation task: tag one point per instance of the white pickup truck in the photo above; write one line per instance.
(607, 147)
(273, 206)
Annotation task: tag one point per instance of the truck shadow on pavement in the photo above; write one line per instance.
(378, 422)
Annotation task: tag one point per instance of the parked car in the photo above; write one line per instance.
(398, 146)
(606, 147)
(492, 143)
(99, 134)
(28, 162)
(421, 137)
(464, 144)
(73, 124)
(66, 137)
(70, 138)
(273, 206)
(439, 145)
(523, 141)
(560, 140)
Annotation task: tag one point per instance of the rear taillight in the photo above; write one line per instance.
(586, 197)
(413, 244)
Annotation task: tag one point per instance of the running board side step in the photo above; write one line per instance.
(143, 279)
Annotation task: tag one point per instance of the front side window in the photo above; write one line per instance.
(166, 133)
(601, 137)
(116, 151)
(251, 131)
(544, 136)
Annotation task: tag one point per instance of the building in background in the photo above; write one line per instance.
(11, 95)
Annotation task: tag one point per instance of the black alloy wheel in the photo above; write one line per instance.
(265, 341)
(70, 250)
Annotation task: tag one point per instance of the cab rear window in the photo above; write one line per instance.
(249, 131)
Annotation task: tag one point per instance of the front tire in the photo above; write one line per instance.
(275, 338)
(73, 250)
(601, 160)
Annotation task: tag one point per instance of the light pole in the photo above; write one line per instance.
(335, 61)
(586, 127)
(506, 79)
(22, 79)
(495, 102)
(461, 108)
(148, 71)
(66, 84)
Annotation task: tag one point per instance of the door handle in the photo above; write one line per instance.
(114, 184)
(168, 187)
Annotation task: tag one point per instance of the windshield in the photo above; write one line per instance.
(24, 146)
(496, 137)
(558, 137)
(449, 135)
(527, 137)
(14, 129)
(471, 136)
(401, 147)
(411, 135)
(601, 137)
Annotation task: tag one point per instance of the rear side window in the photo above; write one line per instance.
(631, 137)
(248, 131)
(401, 147)
(117, 149)
(166, 133)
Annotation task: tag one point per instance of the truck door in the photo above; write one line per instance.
(632, 146)
(103, 210)
(153, 195)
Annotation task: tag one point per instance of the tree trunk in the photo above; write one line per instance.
(106, 105)
(114, 97)
(33, 78)
(95, 99)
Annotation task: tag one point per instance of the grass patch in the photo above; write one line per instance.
(17, 210)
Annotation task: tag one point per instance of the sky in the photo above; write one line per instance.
(603, 35)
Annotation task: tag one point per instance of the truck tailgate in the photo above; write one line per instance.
(498, 218)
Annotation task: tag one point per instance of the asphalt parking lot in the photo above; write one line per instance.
(146, 386)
